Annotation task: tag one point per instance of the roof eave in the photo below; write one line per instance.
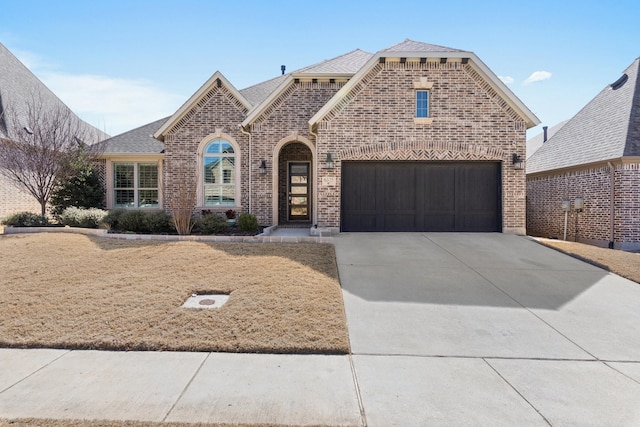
(259, 109)
(129, 154)
(195, 98)
(513, 101)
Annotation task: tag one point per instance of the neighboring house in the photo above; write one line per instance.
(533, 144)
(415, 137)
(18, 85)
(594, 157)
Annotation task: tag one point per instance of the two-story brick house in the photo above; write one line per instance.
(415, 137)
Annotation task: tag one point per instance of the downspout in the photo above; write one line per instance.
(612, 199)
(250, 163)
(315, 180)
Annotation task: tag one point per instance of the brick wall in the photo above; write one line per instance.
(14, 199)
(470, 122)
(545, 216)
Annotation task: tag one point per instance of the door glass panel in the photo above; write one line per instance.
(298, 190)
(299, 179)
(299, 169)
(298, 200)
(298, 211)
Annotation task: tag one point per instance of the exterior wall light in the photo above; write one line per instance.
(263, 167)
(518, 164)
(329, 162)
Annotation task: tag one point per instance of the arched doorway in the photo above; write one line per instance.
(295, 184)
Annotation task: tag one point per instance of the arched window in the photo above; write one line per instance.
(219, 174)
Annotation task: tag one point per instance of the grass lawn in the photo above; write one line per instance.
(62, 290)
(625, 264)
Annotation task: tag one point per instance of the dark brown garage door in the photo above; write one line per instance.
(421, 196)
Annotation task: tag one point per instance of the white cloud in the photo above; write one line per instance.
(506, 79)
(538, 76)
(113, 105)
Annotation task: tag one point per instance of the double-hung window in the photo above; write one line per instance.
(135, 185)
(219, 162)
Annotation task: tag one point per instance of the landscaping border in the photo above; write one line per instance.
(168, 237)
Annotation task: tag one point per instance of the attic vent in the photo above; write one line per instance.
(620, 82)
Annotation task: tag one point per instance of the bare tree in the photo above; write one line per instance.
(42, 142)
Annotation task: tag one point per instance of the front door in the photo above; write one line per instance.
(299, 195)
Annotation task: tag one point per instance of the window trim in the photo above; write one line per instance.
(135, 161)
(423, 85)
(200, 171)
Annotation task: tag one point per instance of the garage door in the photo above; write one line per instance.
(421, 196)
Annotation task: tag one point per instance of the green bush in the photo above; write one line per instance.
(160, 222)
(212, 224)
(247, 222)
(26, 219)
(111, 220)
(78, 217)
(83, 189)
(134, 221)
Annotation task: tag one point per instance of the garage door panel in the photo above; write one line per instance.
(421, 196)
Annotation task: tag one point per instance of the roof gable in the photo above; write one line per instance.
(198, 99)
(344, 66)
(606, 128)
(412, 49)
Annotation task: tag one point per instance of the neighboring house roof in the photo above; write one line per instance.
(136, 141)
(607, 128)
(410, 48)
(18, 85)
(533, 144)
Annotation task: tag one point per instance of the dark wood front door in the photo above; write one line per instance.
(421, 196)
(299, 194)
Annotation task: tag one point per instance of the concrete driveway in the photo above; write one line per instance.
(487, 329)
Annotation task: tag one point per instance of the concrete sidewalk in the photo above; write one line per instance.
(179, 387)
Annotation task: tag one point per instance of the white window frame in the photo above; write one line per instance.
(111, 193)
(237, 156)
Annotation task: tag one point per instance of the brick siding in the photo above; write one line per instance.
(545, 217)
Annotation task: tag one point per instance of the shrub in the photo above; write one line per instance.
(83, 189)
(212, 224)
(134, 221)
(110, 221)
(78, 217)
(26, 219)
(160, 222)
(247, 222)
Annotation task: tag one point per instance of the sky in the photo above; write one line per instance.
(122, 64)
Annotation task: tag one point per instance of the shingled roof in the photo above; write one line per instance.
(607, 128)
(534, 143)
(413, 46)
(136, 141)
(18, 85)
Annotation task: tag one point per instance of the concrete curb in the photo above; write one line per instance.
(169, 237)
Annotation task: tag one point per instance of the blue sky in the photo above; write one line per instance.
(122, 64)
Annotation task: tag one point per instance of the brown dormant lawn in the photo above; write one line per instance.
(64, 290)
(625, 264)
